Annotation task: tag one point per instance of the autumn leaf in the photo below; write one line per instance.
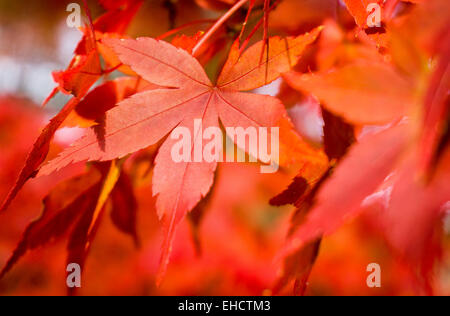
(84, 231)
(124, 206)
(85, 68)
(437, 115)
(39, 152)
(388, 159)
(291, 195)
(83, 71)
(77, 79)
(91, 110)
(145, 118)
(76, 113)
(298, 264)
(73, 209)
(375, 157)
(338, 135)
(118, 17)
(302, 192)
(63, 206)
(357, 91)
(359, 10)
(424, 212)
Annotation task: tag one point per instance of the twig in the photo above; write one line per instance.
(217, 25)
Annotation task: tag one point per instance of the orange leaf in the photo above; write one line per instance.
(147, 117)
(362, 93)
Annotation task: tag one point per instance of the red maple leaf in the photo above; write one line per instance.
(147, 117)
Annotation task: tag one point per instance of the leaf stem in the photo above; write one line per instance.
(92, 29)
(178, 29)
(217, 25)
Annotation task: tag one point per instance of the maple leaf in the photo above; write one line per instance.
(375, 157)
(39, 151)
(391, 161)
(124, 207)
(76, 113)
(291, 195)
(62, 208)
(74, 209)
(338, 136)
(145, 118)
(358, 9)
(91, 110)
(297, 265)
(118, 17)
(84, 70)
(357, 91)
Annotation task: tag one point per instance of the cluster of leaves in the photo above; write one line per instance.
(382, 96)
